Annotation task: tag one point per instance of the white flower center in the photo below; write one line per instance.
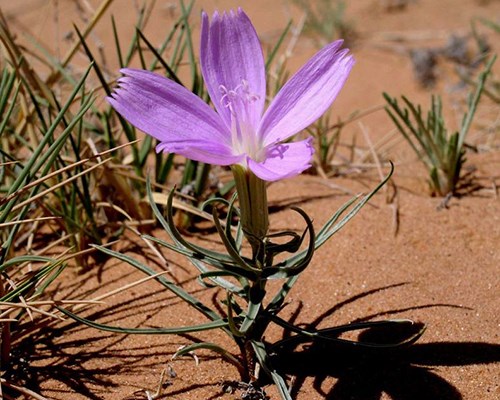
(239, 101)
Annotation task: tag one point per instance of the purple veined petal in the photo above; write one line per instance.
(231, 60)
(284, 160)
(166, 110)
(207, 152)
(307, 95)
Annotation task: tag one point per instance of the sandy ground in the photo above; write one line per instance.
(403, 258)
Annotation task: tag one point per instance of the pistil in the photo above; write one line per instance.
(240, 101)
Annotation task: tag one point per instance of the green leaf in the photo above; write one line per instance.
(323, 236)
(253, 308)
(211, 257)
(172, 75)
(475, 101)
(328, 230)
(177, 290)
(278, 44)
(117, 43)
(230, 319)
(5, 118)
(39, 156)
(233, 252)
(146, 331)
(23, 259)
(262, 357)
(214, 276)
(290, 269)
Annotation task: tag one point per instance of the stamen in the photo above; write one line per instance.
(250, 97)
(240, 92)
(225, 94)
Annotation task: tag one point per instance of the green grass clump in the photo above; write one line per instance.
(442, 153)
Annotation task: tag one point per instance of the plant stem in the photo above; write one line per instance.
(253, 207)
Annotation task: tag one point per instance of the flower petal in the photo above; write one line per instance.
(199, 150)
(284, 160)
(172, 114)
(307, 95)
(231, 57)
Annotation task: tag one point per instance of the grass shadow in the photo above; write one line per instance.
(86, 365)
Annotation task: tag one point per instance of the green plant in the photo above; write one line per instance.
(103, 129)
(255, 145)
(326, 141)
(443, 154)
(54, 175)
(250, 309)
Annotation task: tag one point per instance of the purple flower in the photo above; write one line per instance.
(240, 132)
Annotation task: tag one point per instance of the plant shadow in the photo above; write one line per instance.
(370, 373)
(366, 374)
(407, 372)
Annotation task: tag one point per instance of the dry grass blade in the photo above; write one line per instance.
(4, 164)
(6, 308)
(357, 115)
(98, 300)
(161, 198)
(390, 200)
(58, 185)
(58, 172)
(50, 302)
(115, 208)
(373, 152)
(22, 390)
(97, 16)
(29, 308)
(65, 256)
(26, 221)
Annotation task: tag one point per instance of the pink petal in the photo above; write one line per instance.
(284, 160)
(173, 115)
(307, 95)
(231, 56)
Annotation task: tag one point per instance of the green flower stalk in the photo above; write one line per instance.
(254, 214)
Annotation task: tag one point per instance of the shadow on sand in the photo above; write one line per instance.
(359, 373)
(365, 374)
